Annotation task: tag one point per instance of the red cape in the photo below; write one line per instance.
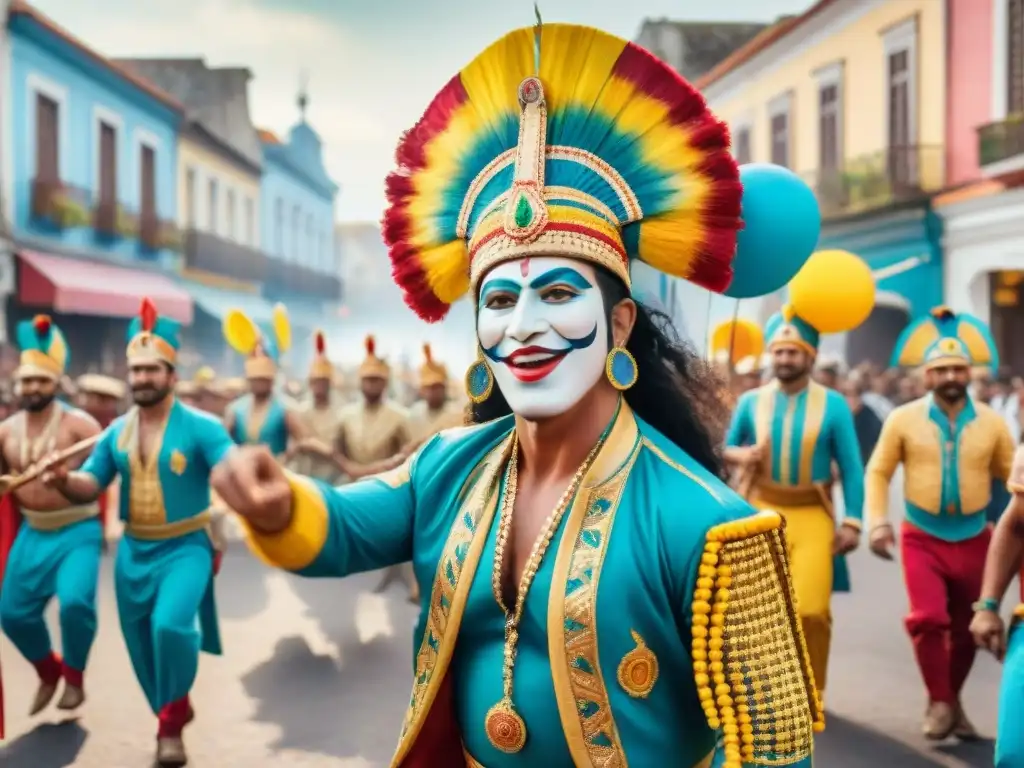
(10, 519)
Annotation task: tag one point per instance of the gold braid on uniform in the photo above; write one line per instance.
(750, 661)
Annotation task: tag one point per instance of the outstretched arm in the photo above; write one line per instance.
(846, 450)
(330, 531)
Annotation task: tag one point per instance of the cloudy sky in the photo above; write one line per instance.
(373, 66)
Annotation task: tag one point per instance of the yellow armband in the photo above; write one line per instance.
(298, 545)
(750, 660)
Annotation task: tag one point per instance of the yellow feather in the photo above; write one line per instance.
(788, 313)
(58, 348)
(917, 344)
(664, 241)
(447, 270)
(241, 332)
(977, 346)
(282, 328)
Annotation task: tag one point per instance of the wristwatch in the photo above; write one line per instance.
(986, 604)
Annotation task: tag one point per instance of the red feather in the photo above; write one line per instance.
(321, 343)
(371, 346)
(42, 325)
(147, 313)
(427, 354)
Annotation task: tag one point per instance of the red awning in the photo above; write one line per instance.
(78, 287)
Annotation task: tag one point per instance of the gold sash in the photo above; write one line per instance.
(57, 519)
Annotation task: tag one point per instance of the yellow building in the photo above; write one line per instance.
(851, 96)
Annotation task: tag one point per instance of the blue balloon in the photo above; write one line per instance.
(781, 224)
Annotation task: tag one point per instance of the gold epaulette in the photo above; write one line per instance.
(750, 659)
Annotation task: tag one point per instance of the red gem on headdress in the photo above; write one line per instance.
(371, 346)
(42, 324)
(321, 343)
(147, 314)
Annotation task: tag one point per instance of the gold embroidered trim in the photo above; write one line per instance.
(680, 468)
(162, 532)
(638, 670)
(615, 180)
(56, 519)
(814, 418)
(601, 737)
(750, 659)
(461, 550)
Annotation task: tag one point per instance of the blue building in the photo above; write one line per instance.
(91, 187)
(297, 199)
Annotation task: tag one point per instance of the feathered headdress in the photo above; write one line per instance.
(44, 350)
(596, 150)
(321, 367)
(372, 365)
(262, 350)
(944, 337)
(432, 372)
(152, 338)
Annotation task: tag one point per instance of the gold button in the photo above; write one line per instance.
(951, 508)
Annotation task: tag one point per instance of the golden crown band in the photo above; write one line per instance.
(374, 368)
(433, 376)
(260, 367)
(321, 369)
(147, 348)
(943, 361)
(38, 365)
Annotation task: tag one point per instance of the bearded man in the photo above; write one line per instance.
(951, 448)
(57, 550)
(164, 452)
(785, 438)
(593, 592)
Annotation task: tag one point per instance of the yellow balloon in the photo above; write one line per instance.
(745, 337)
(834, 291)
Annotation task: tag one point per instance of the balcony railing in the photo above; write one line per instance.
(60, 205)
(112, 220)
(1001, 141)
(210, 253)
(297, 279)
(156, 234)
(869, 182)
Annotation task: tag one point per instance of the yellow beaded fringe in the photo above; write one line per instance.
(723, 664)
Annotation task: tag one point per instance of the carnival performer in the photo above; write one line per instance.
(260, 417)
(374, 429)
(321, 420)
(593, 592)
(57, 549)
(736, 347)
(1005, 560)
(951, 448)
(163, 575)
(786, 435)
(434, 411)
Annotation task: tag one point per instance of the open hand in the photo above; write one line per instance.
(253, 485)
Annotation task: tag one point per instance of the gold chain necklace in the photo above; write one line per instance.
(505, 729)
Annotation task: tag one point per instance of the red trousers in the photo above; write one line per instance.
(943, 580)
(10, 520)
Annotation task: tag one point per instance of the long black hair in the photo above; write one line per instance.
(677, 392)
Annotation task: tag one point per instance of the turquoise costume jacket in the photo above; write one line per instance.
(652, 548)
(806, 433)
(273, 432)
(168, 496)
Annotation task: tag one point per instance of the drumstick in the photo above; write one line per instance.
(9, 483)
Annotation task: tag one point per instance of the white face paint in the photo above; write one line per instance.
(542, 326)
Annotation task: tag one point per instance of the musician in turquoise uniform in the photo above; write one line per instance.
(260, 417)
(163, 451)
(56, 553)
(786, 435)
(592, 592)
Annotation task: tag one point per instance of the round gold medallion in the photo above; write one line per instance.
(505, 728)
